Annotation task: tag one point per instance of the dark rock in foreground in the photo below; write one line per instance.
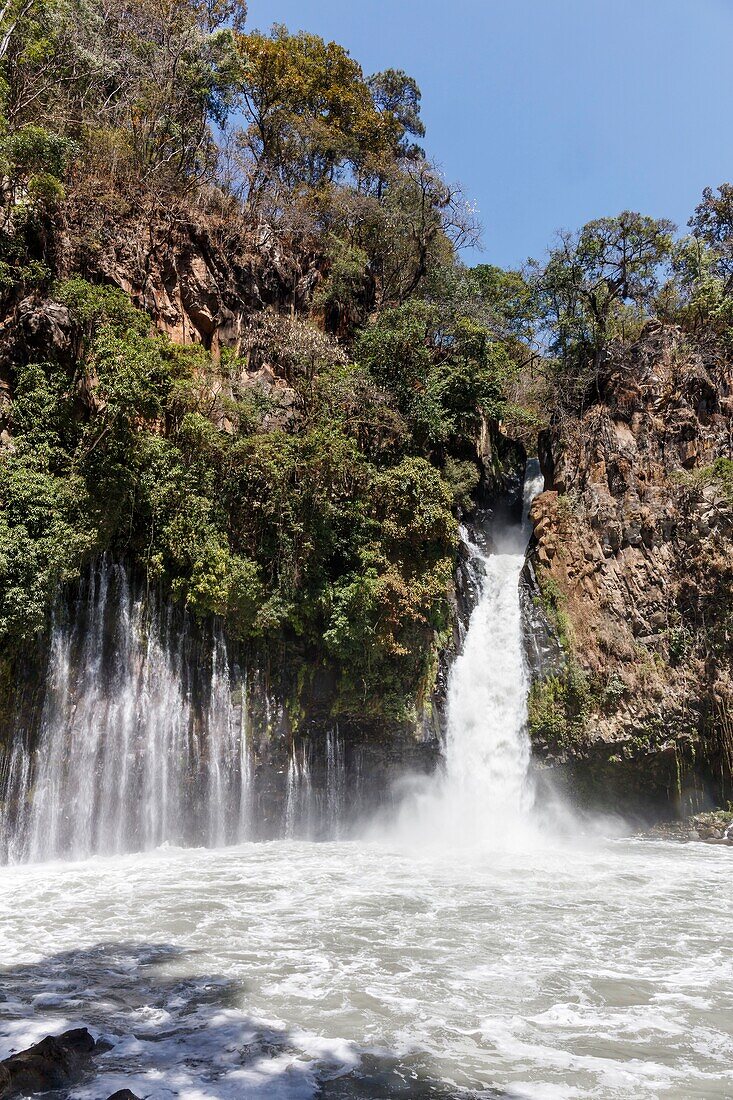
(56, 1062)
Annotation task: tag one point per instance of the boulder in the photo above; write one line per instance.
(56, 1062)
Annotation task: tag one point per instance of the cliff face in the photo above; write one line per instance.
(631, 570)
(199, 279)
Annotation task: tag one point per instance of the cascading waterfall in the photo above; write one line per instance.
(318, 809)
(298, 804)
(141, 740)
(483, 795)
(487, 750)
(335, 783)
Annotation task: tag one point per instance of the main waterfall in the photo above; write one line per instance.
(487, 748)
(484, 792)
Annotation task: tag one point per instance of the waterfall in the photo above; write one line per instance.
(335, 783)
(298, 803)
(316, 807)
(484, 793)
(485, 787)
(141, 742)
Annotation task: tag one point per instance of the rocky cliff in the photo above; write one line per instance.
(199, 278)
(629, 583)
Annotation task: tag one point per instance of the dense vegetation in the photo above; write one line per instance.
(324, 524)
(321, 517)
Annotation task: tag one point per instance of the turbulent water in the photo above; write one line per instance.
(295, 970)
(459, 948)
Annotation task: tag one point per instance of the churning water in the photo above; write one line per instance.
(290, 970)
(460, 951)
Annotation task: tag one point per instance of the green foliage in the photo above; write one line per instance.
(547, 718)
(344, 288)
(599, 285)
(384, 615)
(445, 370)
(719, 475)
(696, 296)
(508, 297)
(712, 223)
(462, 479)
(323, 538)
(553, 605)
(559, 708)
(45, 533)
(679, 641)
(722, 472)
(32, 163)
(33, 150)
(93, 306)
(142, 81)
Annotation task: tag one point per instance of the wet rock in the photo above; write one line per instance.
(504, 463)
(467, 589)
(714, 827)
(123, 1094)
(58, 1061)
(544, 653)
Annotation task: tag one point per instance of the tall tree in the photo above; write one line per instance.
(712, 222)
(598, 284)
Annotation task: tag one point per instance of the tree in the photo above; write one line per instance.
(597, 285)
(712, 222)
(443, 368)
(310, 112)
(398, 94)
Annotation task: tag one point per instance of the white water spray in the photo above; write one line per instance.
(484, 793)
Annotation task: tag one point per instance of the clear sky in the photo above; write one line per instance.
(552, 112)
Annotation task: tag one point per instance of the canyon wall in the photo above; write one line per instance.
(628, 587)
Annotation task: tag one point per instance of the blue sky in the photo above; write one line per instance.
(552, 112)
